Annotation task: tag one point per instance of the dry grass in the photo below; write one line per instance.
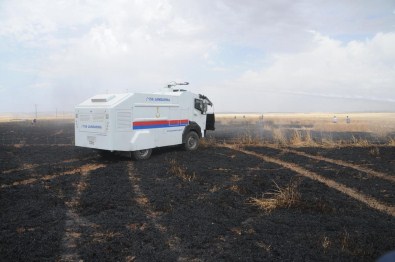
(281, 197)
(180, 171)
(248, 139)
(391, 141)
(374, 151)
(308, 139)
(301, 138)
(296, 138)
(208, 142)
(359, 142)
(345, 240)
(264, 246)
(326, 243)
(372, 122)
(380, 125)
(279, 137)
(214, 189)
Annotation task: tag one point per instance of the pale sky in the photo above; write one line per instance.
(246, 56)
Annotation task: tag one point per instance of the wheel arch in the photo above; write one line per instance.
(193, 126)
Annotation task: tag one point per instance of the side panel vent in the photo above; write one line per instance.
(124, 120)
(85, 118)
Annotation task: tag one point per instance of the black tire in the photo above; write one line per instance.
(191, 141)
(142, 154)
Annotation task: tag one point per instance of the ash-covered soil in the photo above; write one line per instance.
(64, 203)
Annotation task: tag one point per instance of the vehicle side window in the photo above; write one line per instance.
(199, 105)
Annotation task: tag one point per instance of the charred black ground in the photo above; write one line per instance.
(60, 202)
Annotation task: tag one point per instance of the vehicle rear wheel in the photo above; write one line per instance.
(142, 154)
(191, 141)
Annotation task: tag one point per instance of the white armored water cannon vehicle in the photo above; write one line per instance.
(139, 122)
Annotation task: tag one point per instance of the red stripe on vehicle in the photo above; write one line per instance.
(148, 123)
(161, 122)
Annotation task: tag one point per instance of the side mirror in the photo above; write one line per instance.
(204, 108)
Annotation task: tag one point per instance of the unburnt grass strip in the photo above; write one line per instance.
(366, 158)
(23, 145)
(369, 201)
(374, 151)
(152, 214)
(42, 173)
(74, 221)
(365, 183)
(27, 167)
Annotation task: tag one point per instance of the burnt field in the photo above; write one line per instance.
(235, 198)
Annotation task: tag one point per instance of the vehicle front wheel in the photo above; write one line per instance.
(142, 154)
(191, 141)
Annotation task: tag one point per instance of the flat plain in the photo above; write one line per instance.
(261, 187)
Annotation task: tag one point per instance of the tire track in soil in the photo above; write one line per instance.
(73, 221)
(34, 145)
(26, 167)
(32, 180)
(366, 170)
(153, 216)
(369, 201)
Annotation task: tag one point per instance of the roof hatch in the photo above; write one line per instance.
(102, 98)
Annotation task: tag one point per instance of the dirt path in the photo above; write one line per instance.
(369, 201)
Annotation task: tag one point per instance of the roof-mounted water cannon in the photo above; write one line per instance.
(173, 84)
